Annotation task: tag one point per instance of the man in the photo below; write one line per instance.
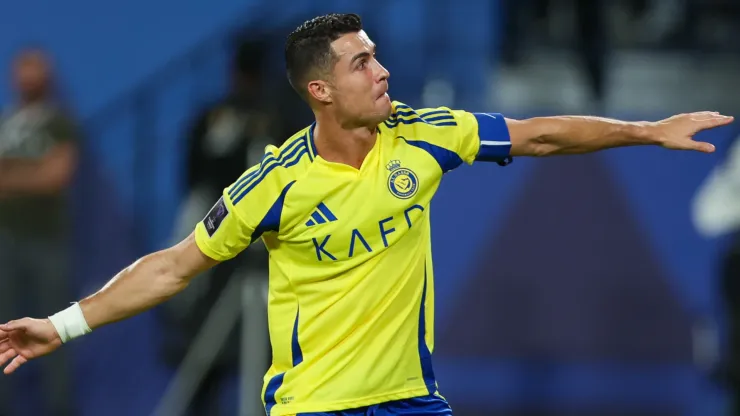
(343, 207)
(37, 162)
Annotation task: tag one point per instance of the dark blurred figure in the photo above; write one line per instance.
(716, 213)
(591, 36)
(225, 139)
(730, 278)
(592, 45)
(38, 149)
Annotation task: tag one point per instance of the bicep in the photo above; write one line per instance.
(189, 260)
(522, 135)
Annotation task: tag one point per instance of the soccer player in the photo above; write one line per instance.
(343, 207)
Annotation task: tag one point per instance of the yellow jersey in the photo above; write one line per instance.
(351, 294)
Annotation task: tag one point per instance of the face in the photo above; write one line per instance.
(31, 74)
(358, 86)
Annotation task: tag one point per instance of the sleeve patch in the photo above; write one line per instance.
(215, 217)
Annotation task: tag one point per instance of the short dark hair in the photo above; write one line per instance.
(308, 48)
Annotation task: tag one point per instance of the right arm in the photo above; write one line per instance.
(146, 283)
(228, 228)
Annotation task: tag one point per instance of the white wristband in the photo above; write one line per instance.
(70, 323)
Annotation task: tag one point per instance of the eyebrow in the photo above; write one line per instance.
(362, 55)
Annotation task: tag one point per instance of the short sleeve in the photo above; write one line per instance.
(221, 235)
(62, 128)
(453, 136)
(248, 208)
(482, 137)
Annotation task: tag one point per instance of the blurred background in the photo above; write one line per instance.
(574, 286)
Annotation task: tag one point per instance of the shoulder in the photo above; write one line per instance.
(404, 116)
(293, 157)
(61, 120)
(277, 170)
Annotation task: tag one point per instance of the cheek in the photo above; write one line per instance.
(355, 90)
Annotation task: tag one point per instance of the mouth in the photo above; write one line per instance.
(383, 93)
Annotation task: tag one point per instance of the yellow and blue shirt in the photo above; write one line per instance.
(351, 294)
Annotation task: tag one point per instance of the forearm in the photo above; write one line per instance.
(146, 283)
(48, 175)
(544, 136)
(27, 177)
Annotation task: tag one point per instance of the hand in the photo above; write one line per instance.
(25, 339)
(678, 132)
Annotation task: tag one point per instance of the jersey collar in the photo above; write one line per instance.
(312, 153)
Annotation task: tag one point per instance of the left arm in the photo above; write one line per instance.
(545, 136)
(48, 175)
(456, 136)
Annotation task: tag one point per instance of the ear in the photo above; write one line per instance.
(320, 91)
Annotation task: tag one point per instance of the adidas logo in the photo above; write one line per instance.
(321, 215)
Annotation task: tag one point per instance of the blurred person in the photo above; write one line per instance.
(38, 147)
(716, 205)
(343, 209)
(591, 44)
(225, 139)
(716, 213)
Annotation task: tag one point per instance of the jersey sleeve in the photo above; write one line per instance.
(482, 137)
(454, 136)
(242, 213)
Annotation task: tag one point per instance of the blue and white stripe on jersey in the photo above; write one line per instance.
(407, 115)
(289, 156)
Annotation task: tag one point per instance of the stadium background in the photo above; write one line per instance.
(568, 286)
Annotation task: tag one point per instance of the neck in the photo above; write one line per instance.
(340, 144)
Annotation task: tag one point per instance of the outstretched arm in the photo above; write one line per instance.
(146, 283)
(545, 136)
(225, 231)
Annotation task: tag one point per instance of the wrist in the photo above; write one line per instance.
(57, 340)
(70, 323)
(646, 132)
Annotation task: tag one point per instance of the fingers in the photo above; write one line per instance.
(703, 147)
(708, 120)
(4, 357)
(689, 144)
(13, 325)
(17, 362)
(716, 121)
(4, 346)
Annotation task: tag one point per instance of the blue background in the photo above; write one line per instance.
(563, 285)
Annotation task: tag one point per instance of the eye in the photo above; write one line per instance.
(362, 64)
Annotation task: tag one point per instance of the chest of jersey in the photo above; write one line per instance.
(339, 214)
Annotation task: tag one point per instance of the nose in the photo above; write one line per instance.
(383, 73)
